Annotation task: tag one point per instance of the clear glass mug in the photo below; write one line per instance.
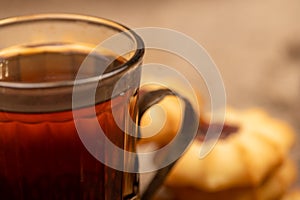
(41, 153)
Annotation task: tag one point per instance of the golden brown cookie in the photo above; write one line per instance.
(161, 122)
(292, 195)
(243, 159)
(272, 188)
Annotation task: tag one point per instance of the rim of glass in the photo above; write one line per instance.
(135, 58)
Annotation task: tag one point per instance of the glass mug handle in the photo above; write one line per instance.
(186, 132)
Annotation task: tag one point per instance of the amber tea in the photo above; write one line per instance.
(41, 154)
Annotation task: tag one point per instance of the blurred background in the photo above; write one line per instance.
(255, 44)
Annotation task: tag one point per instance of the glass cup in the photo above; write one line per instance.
(42, 155)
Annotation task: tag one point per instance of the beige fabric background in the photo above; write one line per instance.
(255, 44)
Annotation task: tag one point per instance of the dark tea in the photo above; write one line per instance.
(41, 154)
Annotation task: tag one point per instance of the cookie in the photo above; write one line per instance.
(272, 188)
(243, 159)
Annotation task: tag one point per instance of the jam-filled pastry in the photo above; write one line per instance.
(256, 147)
(292, 195)
(272, 188)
